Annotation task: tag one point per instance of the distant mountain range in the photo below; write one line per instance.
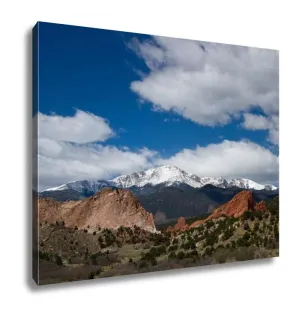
(163, 175)
(168, 192)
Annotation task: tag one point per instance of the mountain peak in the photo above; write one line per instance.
(165, 175)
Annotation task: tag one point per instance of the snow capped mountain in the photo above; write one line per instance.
(92, 186)
(163, 175)
(170, 175)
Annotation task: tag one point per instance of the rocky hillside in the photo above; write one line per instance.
(109, 208)
(68, 254)
(236, 207)
(186, 201)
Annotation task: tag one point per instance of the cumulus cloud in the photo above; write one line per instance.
(229, 159)
(69, 150)
(83, 127)
(259, 122)
(207, 83)
(62, 162)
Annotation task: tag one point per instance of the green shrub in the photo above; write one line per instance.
(181, 255)
(143, 264)
(98, 271)
(246, 226)
(91, 275)
(58, 260)
(172, 255)
(153, 262)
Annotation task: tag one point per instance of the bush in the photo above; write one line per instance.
(98, 271)
(273, 206)
(175, 241)
(143, 264)
(93, 258)
(193, 254)
(153, 262)
(76, 228)
(208, 251)
(43, 255)
(246, 226)
(172, 248)
(244, 253)
(181, 255)
(172, 255)
(58, 260)
(94, 233)
(91, 275)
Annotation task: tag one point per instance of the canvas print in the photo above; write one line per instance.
(150, 153)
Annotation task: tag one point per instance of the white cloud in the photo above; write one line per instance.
(228, 159)
(83, 127)
(256, 122)
(62, 162)
(259, 122)
(206, 82)
(68, 150)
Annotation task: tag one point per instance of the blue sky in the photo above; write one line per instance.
(154, 93)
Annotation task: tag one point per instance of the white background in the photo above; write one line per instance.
(252, 289)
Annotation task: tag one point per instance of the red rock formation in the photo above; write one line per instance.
(236, 207)
(109, 208)
(197, 223)
(261, 206)
(179, 226)
(240, 203)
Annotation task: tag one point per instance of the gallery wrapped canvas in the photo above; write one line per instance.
(150, 153)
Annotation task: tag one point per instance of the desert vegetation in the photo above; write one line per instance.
(68, 254)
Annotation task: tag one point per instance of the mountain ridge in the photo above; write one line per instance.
(163, 175)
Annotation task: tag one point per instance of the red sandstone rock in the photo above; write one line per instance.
(261, 206)
(197, 223)
(109, 208)
(179, 226)
(236, 207)
(241, 202)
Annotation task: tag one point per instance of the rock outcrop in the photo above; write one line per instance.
(236, 207)
(179, 226)
(109, 208)
(260, 206)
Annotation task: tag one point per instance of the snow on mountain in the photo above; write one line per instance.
(83, 186)
(166, 175)
(172, 175)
